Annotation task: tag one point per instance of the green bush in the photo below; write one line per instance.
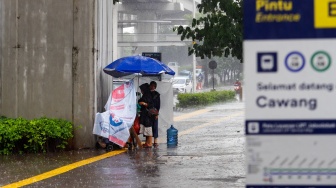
(205, 98)
(37, 135)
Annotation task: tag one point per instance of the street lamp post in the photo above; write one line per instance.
(194, 56)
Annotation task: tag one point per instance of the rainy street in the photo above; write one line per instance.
(71, 74)
(210, 153)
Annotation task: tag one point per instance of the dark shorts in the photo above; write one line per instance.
(156, 129)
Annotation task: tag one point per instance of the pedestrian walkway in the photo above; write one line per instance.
(210, 153)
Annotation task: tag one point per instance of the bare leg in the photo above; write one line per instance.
(149, 140)
(135, 135)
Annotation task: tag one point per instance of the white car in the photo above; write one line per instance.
(182, 85)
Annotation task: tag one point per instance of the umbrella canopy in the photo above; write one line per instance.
(146, 66)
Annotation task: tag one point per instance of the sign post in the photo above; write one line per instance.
(154, 55)
(213, 66)
(290, 77)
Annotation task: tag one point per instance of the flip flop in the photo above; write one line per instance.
(146, 146)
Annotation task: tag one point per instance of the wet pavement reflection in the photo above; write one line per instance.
(210, 153)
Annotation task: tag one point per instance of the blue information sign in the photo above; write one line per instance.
(288, 19)
(290, 76)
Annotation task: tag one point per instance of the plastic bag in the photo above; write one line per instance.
(136, 125)
(153, 111)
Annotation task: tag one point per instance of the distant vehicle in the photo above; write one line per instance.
(185, 73)
(174, 66)
(182, 85)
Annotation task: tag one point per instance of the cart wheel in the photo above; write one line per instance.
(109, 147)
(97, 145)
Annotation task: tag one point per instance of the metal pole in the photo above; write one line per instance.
(213, 79)
(114, 31)
(194, 57)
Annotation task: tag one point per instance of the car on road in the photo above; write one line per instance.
(182, 85)
(185, 73)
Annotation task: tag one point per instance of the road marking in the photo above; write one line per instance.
(189, 115)
(62, 169)
(195, 128)
(210, 123)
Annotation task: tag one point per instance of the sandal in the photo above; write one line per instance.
(129, 145)
(146, 146)
(156, 145)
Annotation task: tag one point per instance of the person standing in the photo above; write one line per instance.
(156, 103)
(199, 81)
(238, 83)
(239, 90)
(237, 86)
(146, 121)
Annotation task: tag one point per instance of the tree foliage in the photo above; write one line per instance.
(218, 31)
(228, 68)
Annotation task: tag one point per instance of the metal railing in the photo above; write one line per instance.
(150, 39)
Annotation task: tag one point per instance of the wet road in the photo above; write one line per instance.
(210, 153)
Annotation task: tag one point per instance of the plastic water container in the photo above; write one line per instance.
(172, 137)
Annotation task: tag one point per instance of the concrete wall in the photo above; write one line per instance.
(47, 65)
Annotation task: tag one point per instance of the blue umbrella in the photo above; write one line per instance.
(143, 65)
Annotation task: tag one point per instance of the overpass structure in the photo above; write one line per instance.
(148, 18)
(152, 21)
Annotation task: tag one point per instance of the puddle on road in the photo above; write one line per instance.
(229, 179)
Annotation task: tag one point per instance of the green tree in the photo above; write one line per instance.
(228, 69)
(218, 31)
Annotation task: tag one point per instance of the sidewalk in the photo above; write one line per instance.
(210, 153)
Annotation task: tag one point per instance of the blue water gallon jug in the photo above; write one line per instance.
(172, 135)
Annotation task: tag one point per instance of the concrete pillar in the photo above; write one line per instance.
(146, 31)
(83, 72)
(37, 58)
(47, 62)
